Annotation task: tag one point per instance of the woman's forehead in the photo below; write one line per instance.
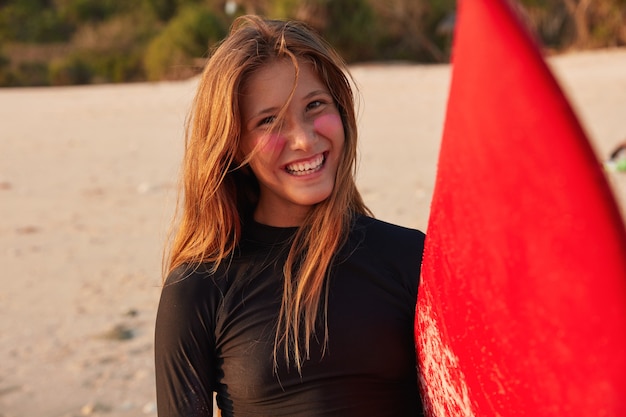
(283, 71)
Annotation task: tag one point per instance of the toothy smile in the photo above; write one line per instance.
(307, 167)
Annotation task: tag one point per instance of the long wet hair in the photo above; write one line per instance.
(218, 191)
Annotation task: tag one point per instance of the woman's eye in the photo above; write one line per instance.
(267, 120)
(314, 104)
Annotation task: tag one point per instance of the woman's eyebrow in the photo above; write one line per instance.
(263, 112)
(315, 93)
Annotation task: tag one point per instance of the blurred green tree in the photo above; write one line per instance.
(120, 40)
(32, 21)
(188, 36)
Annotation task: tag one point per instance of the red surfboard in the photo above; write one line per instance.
(522, 303)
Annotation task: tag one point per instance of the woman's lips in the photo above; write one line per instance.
(308, 166)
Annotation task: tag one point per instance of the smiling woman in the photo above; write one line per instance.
(282, 295)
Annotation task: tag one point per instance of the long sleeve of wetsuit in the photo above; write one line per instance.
(184, 347)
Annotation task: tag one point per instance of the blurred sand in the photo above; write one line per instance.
(87, 186)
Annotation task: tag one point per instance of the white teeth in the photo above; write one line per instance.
(307, 167)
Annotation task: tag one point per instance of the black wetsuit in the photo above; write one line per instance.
(215, 332)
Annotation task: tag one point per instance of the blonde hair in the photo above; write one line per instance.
(218, 194)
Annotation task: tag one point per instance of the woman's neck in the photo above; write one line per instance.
(291, 218)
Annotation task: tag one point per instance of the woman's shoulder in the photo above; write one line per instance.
(194, 278)
(386, 240)
(188, 273)
(379, 229)
(192, 290)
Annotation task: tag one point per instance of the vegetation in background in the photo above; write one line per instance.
(173, 52)
(577, 24)
(349, 25)
(63, 42)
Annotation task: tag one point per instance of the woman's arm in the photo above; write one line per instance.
(184, 347)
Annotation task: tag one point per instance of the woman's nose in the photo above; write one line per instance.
(300, 135)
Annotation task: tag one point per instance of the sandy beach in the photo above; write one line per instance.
(87, 188)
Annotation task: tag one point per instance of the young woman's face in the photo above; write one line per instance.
(295, 162)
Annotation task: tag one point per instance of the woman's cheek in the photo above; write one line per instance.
(271, 143)
(329, 125)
